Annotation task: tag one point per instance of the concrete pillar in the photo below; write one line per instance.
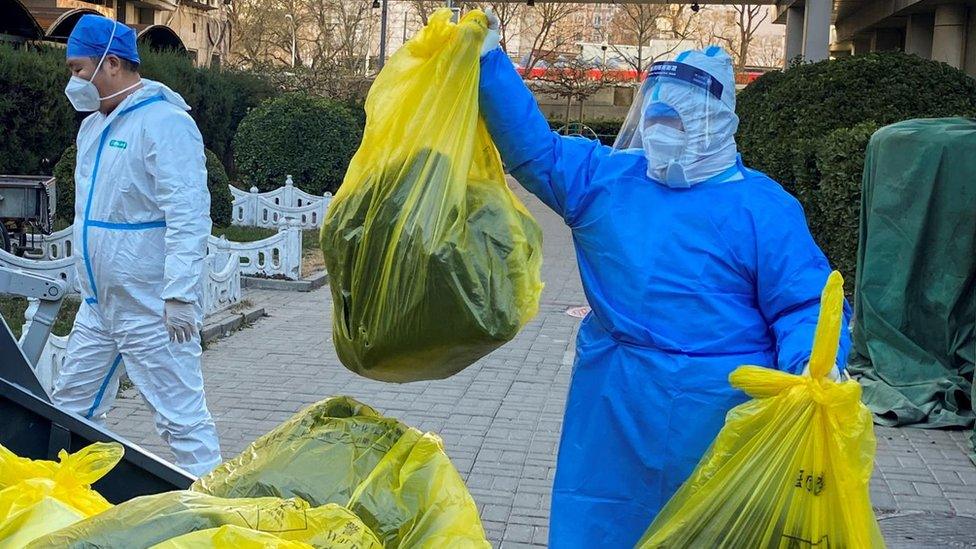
(970, 65)
(886, 40)
(862, 43)
(816, 29)
(948, 35)
(918, 34)
(794, 34)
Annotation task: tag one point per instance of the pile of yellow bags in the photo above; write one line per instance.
(37, 497)
(790, 468)
(337, 475)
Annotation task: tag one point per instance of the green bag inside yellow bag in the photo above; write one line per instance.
(433, 262)
(398, 480)
(146, 521)
(40, 496)
(790, 468)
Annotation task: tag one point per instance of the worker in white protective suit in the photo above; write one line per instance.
(142, 219)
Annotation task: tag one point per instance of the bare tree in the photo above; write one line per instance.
(424, 8)
(551, 31)
(508, 13)
(767, 51)
(735, 27)
(574, 78)
(635, 25)
(257, 31)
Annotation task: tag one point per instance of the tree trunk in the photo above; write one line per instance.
(569, 105)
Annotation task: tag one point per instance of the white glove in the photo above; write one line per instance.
(833, 375)
(180, 319)
(493, 37)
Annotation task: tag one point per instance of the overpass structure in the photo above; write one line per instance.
(942, 30)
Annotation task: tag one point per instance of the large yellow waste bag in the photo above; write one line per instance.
(790, 468)
(149, 520)
(433, 262)
(39, 496)
(398, 480)
(230, 537)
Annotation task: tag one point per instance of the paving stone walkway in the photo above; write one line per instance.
(500, 418)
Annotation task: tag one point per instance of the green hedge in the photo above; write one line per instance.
(834, 209)
(37, 120)
(310, 138)
(219, 98)
(807, 128)
(221, 200)
(39, 123)
(606, 130)
(64, 175)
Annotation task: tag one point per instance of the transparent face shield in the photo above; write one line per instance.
(669, 120)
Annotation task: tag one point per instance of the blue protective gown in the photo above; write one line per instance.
(685, 285)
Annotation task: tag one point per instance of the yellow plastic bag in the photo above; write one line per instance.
(40, 496)
(433, 262)
(231, 537)
(396, 479)
(149, 520)
(790, 468)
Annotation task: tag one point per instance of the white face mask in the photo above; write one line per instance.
(83, 94)
(664, 147)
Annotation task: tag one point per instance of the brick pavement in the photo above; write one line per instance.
(500, 418)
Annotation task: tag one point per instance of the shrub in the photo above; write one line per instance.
(221, 199)
(219, 98)
(37, 120)
(836, 206)
(64, 175)
(309, 138)
(791, 128)
(606, 130)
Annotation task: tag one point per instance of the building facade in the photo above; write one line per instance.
(200, 28)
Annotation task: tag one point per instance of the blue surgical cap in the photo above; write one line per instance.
(91, 34)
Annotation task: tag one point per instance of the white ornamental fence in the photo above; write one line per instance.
(56, 259)
(280, 206)
(222, 290)
(278, 256)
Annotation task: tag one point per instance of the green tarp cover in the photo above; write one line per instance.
(915, 305)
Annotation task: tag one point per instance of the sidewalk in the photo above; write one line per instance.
(500, 418)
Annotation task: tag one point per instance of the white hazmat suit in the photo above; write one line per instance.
(142, 219)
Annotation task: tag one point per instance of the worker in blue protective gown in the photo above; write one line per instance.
(693, 265)
(142, 220)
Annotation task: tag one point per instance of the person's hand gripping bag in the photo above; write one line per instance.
(433, 261)
(790, 468)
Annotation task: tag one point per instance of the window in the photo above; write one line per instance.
(194, 28)
(147, 16)
(215, 60)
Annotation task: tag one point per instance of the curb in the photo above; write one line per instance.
(229, 322)
(315, 282)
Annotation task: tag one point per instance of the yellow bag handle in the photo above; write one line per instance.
(826, 339)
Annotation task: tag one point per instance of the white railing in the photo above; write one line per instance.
(222, 288)
(279, 255)
(223, 276)
(280, 206)
(57, 245)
